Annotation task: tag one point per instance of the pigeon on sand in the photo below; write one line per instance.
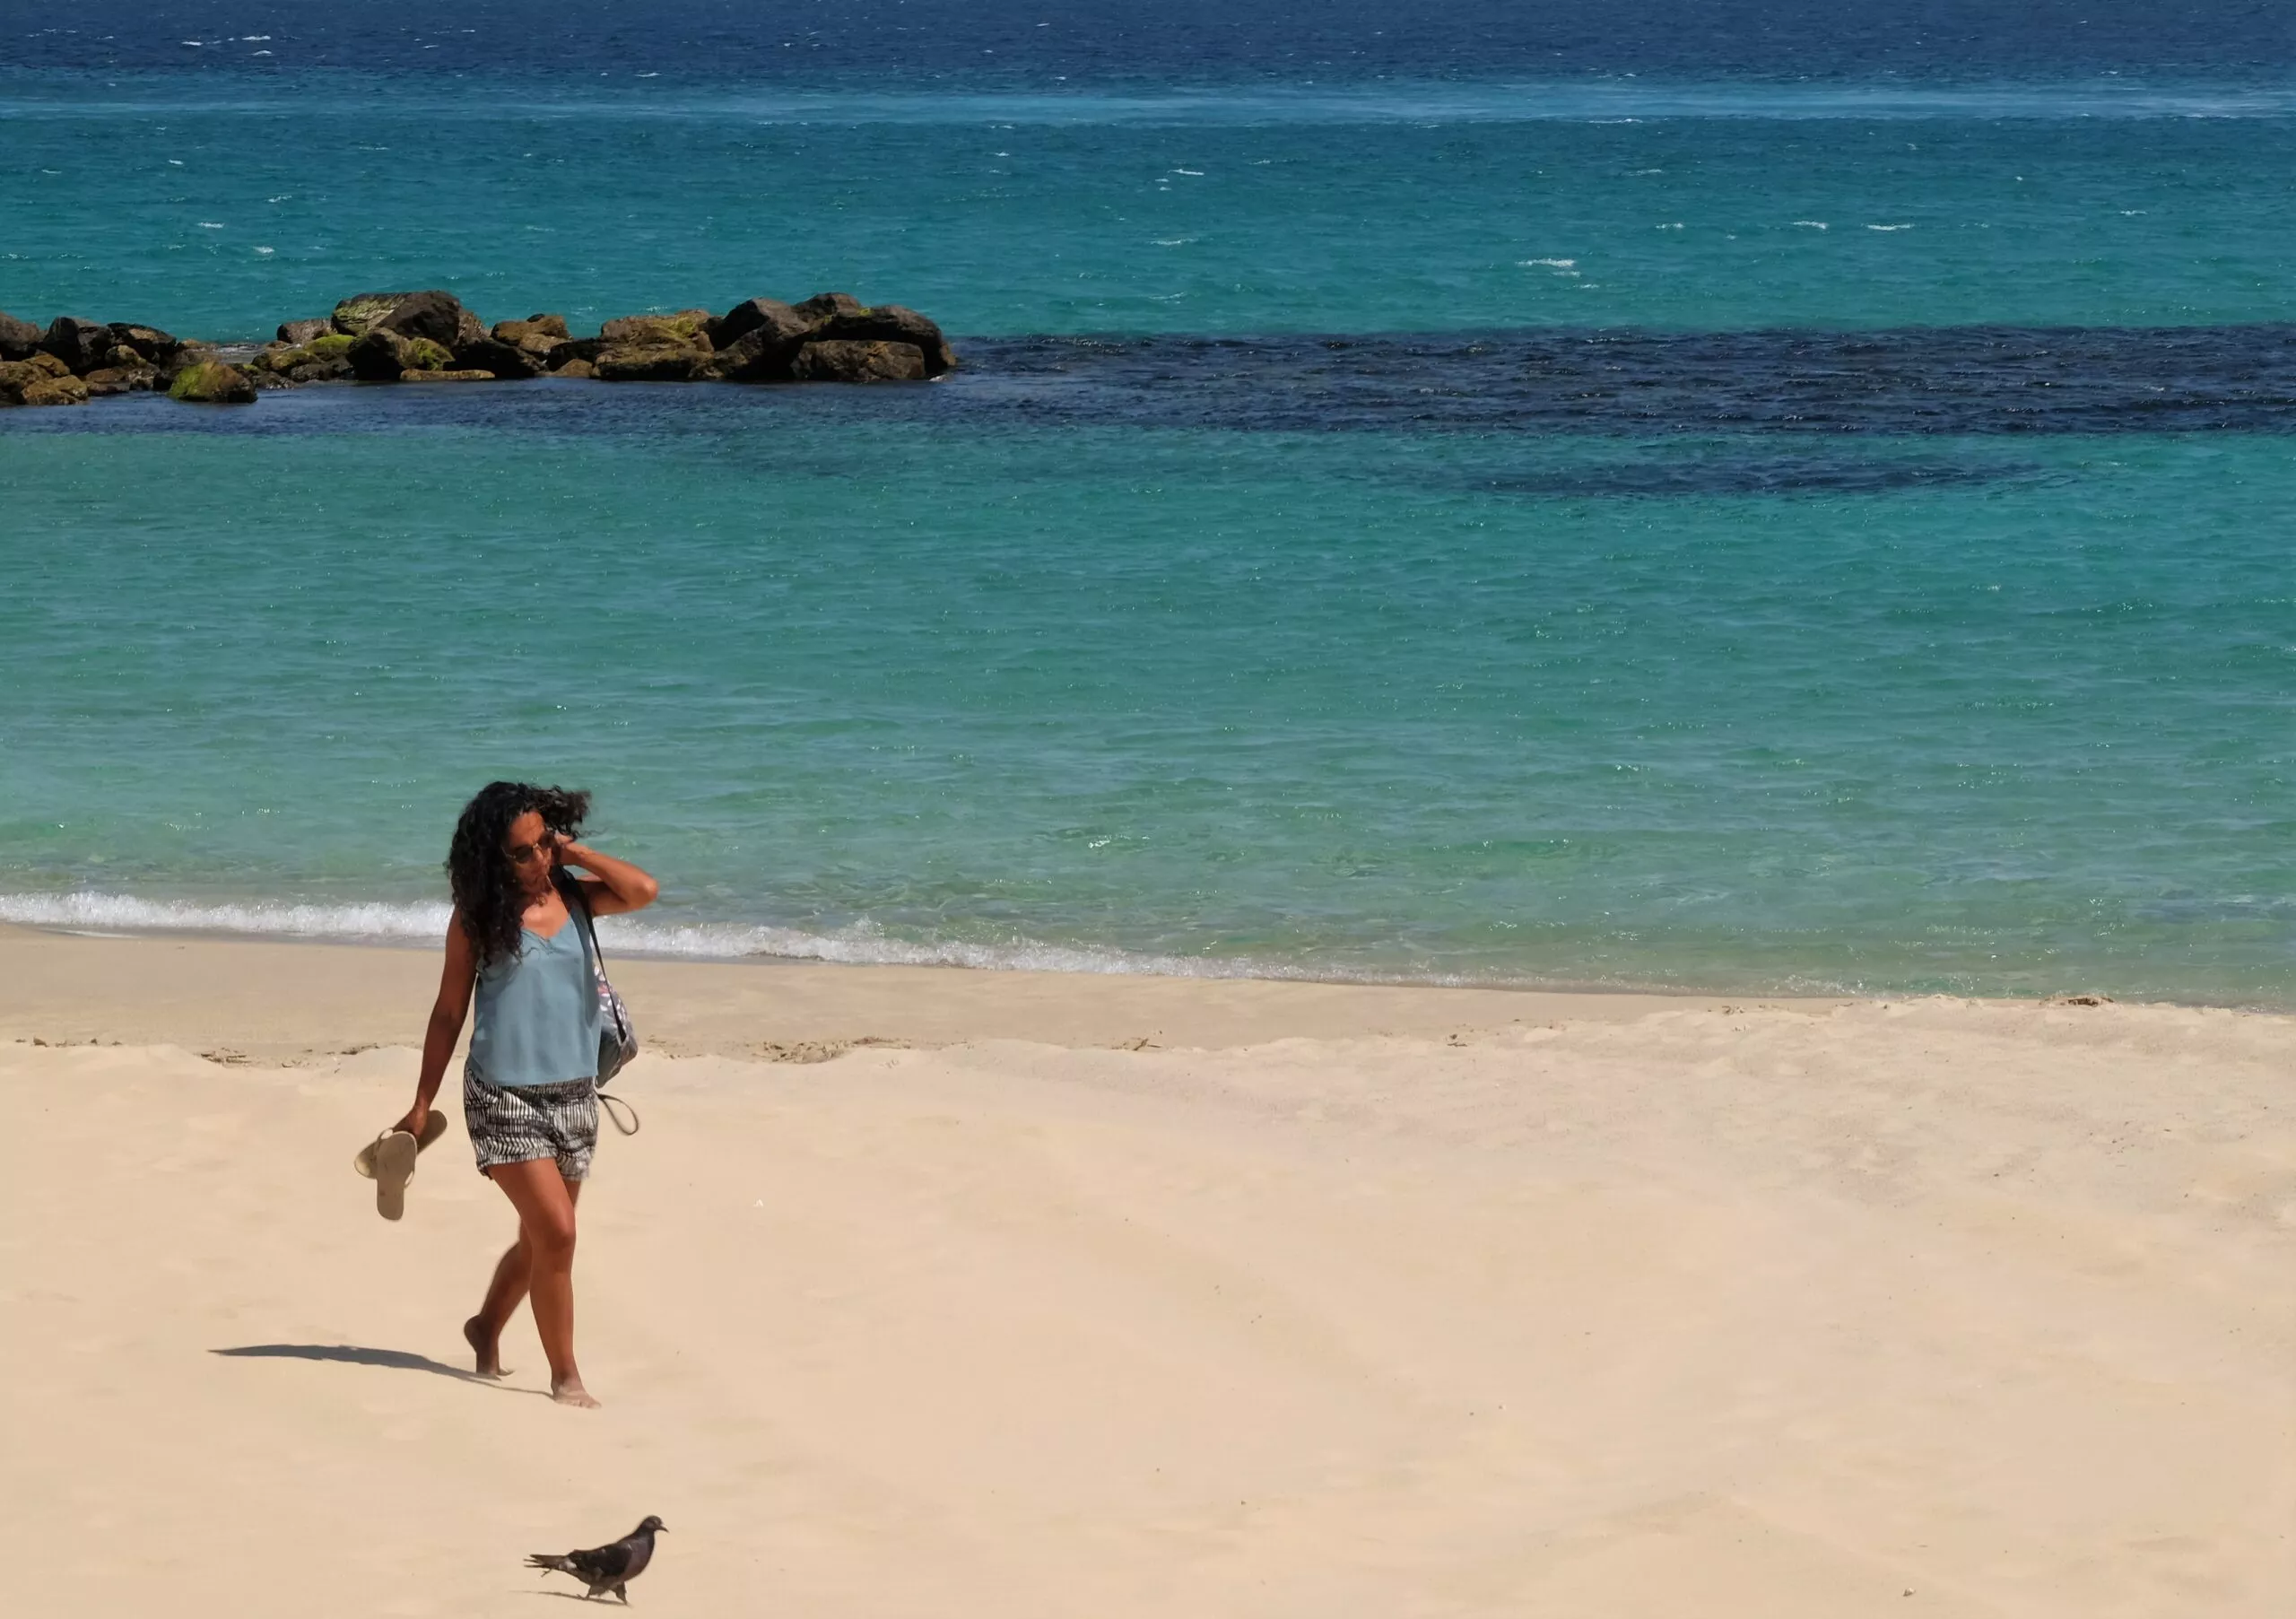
(606, 1567)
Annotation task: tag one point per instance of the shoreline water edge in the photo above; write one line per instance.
(416, 930)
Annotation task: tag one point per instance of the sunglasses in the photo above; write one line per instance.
(526, 853)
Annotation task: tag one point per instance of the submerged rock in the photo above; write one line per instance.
(211, 383)
(452, 375)
(838, 361)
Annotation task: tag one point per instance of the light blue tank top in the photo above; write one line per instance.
(537, 1012)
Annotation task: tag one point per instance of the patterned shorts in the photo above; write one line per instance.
(517, 1124)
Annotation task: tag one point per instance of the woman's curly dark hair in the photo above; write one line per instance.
(488, 897)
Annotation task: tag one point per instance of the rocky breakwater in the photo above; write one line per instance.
(429, 336)
(71, 361)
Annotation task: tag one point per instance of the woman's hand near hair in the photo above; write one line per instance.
(620, 886)
(455, 982)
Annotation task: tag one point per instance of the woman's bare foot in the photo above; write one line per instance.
(487, 1345)
(569, 1391)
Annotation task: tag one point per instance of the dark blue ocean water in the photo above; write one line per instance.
(1736, 496)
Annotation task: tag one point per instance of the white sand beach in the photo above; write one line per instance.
(935, 1293)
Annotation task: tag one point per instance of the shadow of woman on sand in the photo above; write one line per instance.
(354, 1354)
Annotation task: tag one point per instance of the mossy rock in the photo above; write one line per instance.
(688, 328)
(652, 363)
(17, 375)
(532, 326)
(55, 391)
(353, 316)
(212, 384)
(329, 347)
(424, 355)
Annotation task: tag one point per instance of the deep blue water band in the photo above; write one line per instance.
(1954, 381)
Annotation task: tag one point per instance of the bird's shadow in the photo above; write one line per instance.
(573, 1596)
(400, 1360)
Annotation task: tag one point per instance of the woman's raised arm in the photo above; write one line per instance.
(620, 886)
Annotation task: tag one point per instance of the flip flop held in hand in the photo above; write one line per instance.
(606, 1567)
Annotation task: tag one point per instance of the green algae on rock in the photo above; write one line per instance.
(213, 383)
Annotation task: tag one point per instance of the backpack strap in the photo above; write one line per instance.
(579, 903)
(576, 894)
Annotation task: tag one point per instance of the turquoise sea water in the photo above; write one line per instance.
(975, 673)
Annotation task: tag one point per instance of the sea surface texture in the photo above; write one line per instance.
(1735, 495)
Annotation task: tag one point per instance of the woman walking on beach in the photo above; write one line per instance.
(516, 945)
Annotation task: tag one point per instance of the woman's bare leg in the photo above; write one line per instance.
(540, 1265)
(504, 1294)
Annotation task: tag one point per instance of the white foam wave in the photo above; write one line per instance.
(863, 944)
(114, 912)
